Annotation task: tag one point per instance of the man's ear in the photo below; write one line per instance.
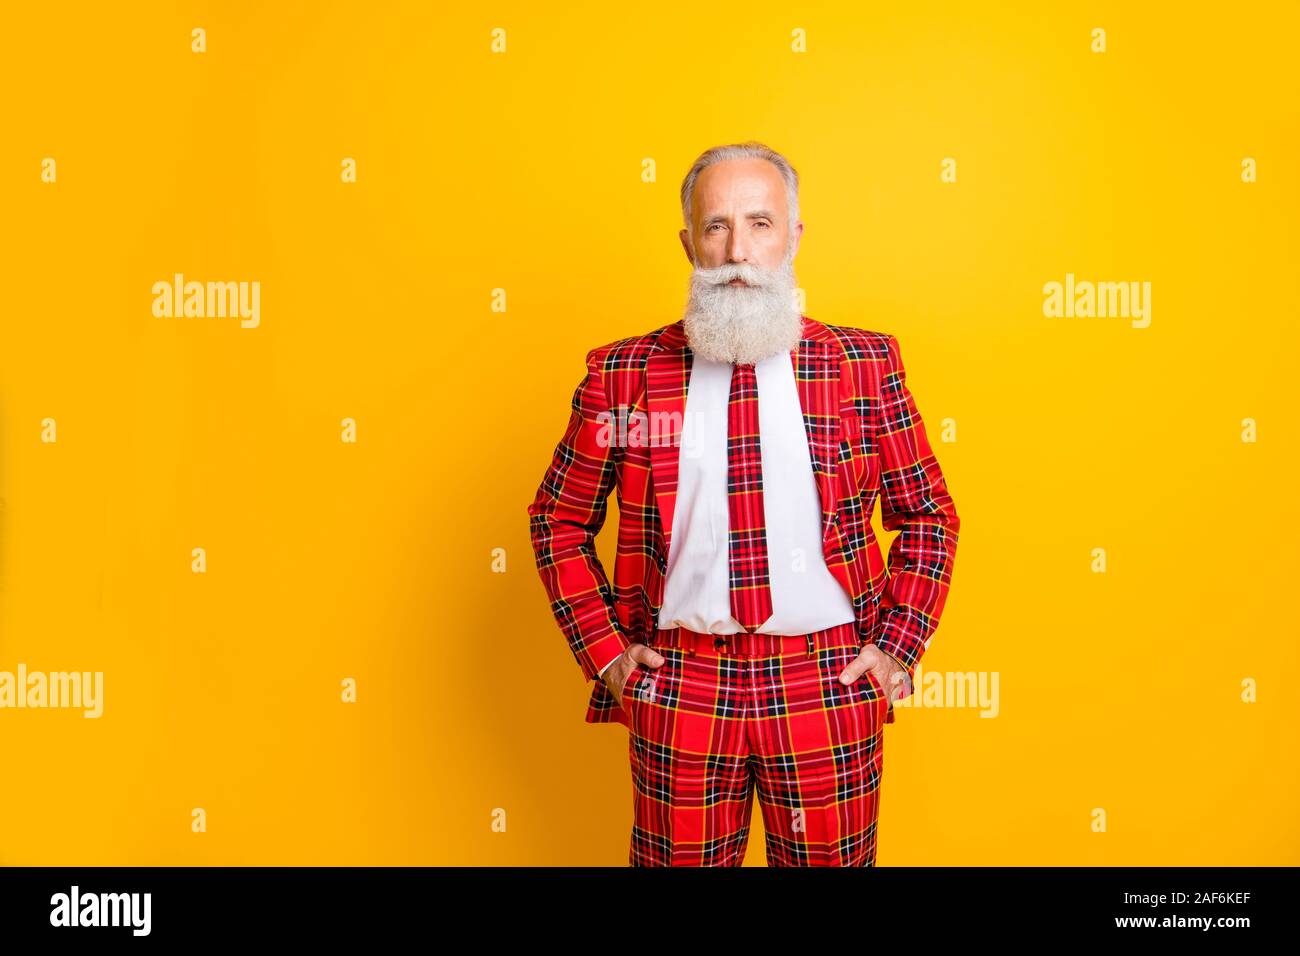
(685, 236)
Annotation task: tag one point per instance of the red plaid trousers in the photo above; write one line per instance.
(760, 712)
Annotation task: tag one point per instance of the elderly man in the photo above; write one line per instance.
(753, 637)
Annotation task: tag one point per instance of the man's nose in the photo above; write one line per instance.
(737, 249)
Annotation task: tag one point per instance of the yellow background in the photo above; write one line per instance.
(522, 171)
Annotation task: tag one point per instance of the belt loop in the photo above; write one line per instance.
(693, 641)
(812, 645)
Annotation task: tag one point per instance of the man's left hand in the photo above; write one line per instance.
(887, 671)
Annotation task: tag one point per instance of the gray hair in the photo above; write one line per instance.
(748, 150)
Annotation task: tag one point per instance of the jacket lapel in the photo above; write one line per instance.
(817, 379)
(668, 372)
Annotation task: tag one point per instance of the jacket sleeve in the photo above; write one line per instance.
(566, 514)
(914, 502)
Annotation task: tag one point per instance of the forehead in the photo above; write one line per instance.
(738, 185)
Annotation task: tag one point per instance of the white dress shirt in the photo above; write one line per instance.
(697, 589)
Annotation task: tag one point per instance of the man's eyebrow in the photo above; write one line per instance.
(756, 214)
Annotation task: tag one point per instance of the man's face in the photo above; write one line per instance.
(739, 214)
(742, 305)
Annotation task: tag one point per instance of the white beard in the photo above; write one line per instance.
(742, 324)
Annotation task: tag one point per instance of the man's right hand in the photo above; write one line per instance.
(617, 674)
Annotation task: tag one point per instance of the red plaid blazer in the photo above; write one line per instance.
(865, 439)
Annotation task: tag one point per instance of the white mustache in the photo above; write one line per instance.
(751, 274)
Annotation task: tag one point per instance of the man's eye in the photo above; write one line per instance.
(761, 223)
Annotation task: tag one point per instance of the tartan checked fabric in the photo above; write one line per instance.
(751, 594)
(709, 727)
(867, 445)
